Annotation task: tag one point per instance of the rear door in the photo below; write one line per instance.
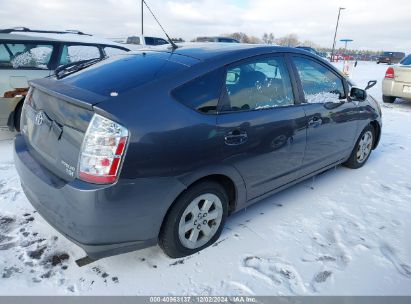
(261, 125)
(331, 118)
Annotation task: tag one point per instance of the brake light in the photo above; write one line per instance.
(102, 151)
(390, 74)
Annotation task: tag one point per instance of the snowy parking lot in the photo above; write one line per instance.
(345, 232)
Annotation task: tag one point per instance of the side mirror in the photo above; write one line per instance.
(357, 94)
(370, 84)
(232, 77)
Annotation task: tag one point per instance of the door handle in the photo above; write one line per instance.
(315, 122)
(235, 137)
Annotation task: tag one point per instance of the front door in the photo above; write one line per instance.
(331, 118)
(262, 127)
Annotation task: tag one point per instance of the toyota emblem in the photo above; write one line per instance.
(39, 118)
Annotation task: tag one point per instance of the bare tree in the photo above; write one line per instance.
(310, 44)
(265, 38)
(271, 38)
(288, 40)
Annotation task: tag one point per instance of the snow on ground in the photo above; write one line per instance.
(345, 232)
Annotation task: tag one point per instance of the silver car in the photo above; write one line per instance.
(28, 54)
(397, 81)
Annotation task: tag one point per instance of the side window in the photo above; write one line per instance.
(149, 41)
(5, 57)
(25, 55)
(73, 53)
(111, 51)
(257, 85)
(160, 41)
(201, 94)
(319, 83)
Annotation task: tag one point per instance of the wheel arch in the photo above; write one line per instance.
(226, 176)
(377, 130)
(12, 116)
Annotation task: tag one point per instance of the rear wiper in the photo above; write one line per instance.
(70, 68)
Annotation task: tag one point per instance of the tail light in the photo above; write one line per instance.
(102, 151)
(390, 74)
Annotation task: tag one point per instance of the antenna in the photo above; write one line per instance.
(173, 45)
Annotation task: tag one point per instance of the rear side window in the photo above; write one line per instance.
(112, 51)
(406, 60)
(201, 94)
(73, 53)
(25, 55)
(319, 83)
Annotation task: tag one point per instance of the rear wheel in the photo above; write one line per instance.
(195, 221)
(362, 149)
(17, 117)
(388, 99)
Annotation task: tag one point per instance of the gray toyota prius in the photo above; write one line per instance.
(161, 146)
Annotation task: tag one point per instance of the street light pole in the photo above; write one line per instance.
(335, 34)
(142, 17)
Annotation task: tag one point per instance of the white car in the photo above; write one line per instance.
(146, 41)
(29, 54)
(397, 81)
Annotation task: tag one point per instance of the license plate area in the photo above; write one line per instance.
(406, 89)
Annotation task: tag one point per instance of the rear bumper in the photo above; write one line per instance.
(395, 89)
(103, 220)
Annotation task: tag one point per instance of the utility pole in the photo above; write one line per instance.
(335, 34)
(142, 17)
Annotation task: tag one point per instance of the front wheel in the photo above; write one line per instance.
(362, 149)
(195, 221)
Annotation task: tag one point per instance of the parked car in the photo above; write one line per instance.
(146, 41)
(390, 57)
(217, 39)
(397, 81)
(29, 54)
(180, 139)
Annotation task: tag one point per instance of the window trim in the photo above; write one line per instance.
(330, 68)
(223, 100)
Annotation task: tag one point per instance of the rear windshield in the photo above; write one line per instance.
(124, 72)
(406, 60)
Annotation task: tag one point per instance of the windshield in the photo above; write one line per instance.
(406, 60)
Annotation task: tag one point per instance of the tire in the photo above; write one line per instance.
(363, 146)
(388, 99)
(17, 117)
(173, 241)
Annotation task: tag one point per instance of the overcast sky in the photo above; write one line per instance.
(376, 24)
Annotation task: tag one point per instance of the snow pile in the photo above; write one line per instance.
(345, 232)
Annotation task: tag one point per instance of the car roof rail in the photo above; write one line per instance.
(25, 29)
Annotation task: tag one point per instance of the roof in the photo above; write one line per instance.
(63, 36)
(207, 51)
